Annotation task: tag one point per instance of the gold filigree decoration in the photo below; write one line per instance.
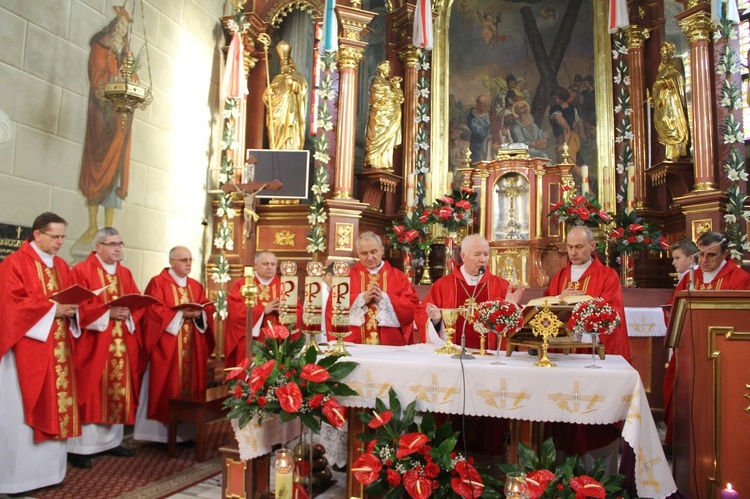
(284, 238)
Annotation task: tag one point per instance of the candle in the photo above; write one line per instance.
(410, 189)
(284, 466)
(729, 493)
(450, 181)
(584, 179)
(631, 190)
(428, 189)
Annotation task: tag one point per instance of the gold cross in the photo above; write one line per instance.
(468, 308)
(425, 392)
(576, 398)
(369, 385)
(647, 466)
(505, 396)
(64, 401)
(62, 352)
(116, 391)
(62, 377)
(118, 347)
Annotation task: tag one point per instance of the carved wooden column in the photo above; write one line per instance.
(255, 65)
(637, 36)
(696, 23)
(409, 55)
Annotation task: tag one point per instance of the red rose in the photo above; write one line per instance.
(366, 469)
(380, 419)
(585, 486)
(315, 402)
(394, 479)
(468, 484)
(445, 212)
(262, 401)
(290, 397)
(236, 371)
(334, 413)
(432, 470)
(238, 391)
(463, 204)
(416, 485)
(314, 373)
(538, 481)
(411, 443)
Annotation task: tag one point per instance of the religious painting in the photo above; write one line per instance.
(531, 72)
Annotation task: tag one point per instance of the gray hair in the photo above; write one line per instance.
(585, 230)
(264, 252)
(369, 235)
(103, 233)
(174, 250)
(468, 240)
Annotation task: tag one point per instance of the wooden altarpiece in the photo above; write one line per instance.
(708, 330)
(515, 194)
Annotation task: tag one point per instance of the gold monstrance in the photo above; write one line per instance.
(511, 187)
(450, 316)
(547, 324)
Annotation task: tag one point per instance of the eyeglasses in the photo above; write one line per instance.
(56, 238)
(709, 256)
(113, 245)
(182, 260)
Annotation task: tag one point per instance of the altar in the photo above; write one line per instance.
(516, 390)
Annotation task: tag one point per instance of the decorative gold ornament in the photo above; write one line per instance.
(284, 238)
(249, 290)
(450, 316)
(546, 324)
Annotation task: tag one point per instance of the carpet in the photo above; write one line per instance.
(150, 474)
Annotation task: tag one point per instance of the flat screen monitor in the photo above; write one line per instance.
(291, 168)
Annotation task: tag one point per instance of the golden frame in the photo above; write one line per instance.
(440, 140)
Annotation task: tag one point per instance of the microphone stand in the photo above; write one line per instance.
(463, 354)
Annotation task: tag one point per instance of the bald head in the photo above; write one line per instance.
(181, 260)
(580, 245)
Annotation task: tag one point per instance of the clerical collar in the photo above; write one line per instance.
(49, 260)
(471, 280)
(181, 281)
(376, 270)
(111, 268)
(709, 276)
(264, 282)
(576, 271)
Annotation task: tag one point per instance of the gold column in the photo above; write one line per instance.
(637, 36)
(410, 58)
(697, 26)
(351, 51)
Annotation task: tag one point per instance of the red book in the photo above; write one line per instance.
(183, 306)
(73, 295)
(134, 301)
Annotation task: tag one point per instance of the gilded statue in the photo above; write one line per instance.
(286, 104)
(670, 110)
(384, 121)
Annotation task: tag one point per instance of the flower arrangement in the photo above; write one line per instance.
(580, 210)
(569, 480)
(406, 459)
(286, 381)
(632, 233)
(412, 235)
(594, 316)
(501, 316)
(452, 211)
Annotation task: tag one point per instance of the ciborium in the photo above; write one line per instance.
(338, 349)
(546, 324)
(450, 316)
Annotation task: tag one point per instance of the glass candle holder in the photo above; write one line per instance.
(284, 473)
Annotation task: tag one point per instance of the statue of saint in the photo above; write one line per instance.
(384, 122)
(670, 111)
(286, 104)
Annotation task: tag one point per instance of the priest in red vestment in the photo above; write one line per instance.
(176, 346)
(716, 271)
(266, 309)
(465, 287)
(382, 300)
(106, 354)
(38, 406)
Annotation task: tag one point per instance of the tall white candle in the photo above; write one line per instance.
(585, 180)
(410, 182)
(428, 189)
(630, 206)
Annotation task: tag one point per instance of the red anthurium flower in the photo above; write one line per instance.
(445, 212)
(416, 485)
(556, 206)
(616, 233)
(259, 375)
(299, 492)
(290, 397)
(425, 216)
(468, 484)
(585, 486)
(236, 371)
(463, 204)
(366, 469)
(446, 200)
(578, 199)
(278, 331)
(411, 443)
(380, 419)
(635, 228)
(582, 212)
(410, 235)
(314, 373)
(663, 243)
(334, 413)
(538, 481)
(604, 216)
(398, 229)
(467, 190)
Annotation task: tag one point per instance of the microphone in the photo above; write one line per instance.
(463, 354)
(694, 258)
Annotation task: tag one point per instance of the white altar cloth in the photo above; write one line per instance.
(645, 321)
(518, 390)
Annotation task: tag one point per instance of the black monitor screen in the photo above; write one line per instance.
(291, 168)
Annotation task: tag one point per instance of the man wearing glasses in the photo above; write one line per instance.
(36, 369)
(716, 271)
(106, 354)
(177, 341)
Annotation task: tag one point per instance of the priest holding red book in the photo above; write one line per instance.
(106, 354)
(177, 341)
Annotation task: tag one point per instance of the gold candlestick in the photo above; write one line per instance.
(450, 316)
(547, 324)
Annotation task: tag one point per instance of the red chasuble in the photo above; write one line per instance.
(403, 297)
(107, 361)
(453, 291)
(178, 362)
(730, 277)
(598, 281)
(45, 369)
(236, 323)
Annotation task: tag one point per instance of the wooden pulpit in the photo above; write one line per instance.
(710, 332)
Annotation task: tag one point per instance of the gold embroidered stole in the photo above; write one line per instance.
(65, 389)
(369, 332)
(185, 341)
(579, 285)
(715, 284)
(117, 380)
(467, 298)
(266, 293)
